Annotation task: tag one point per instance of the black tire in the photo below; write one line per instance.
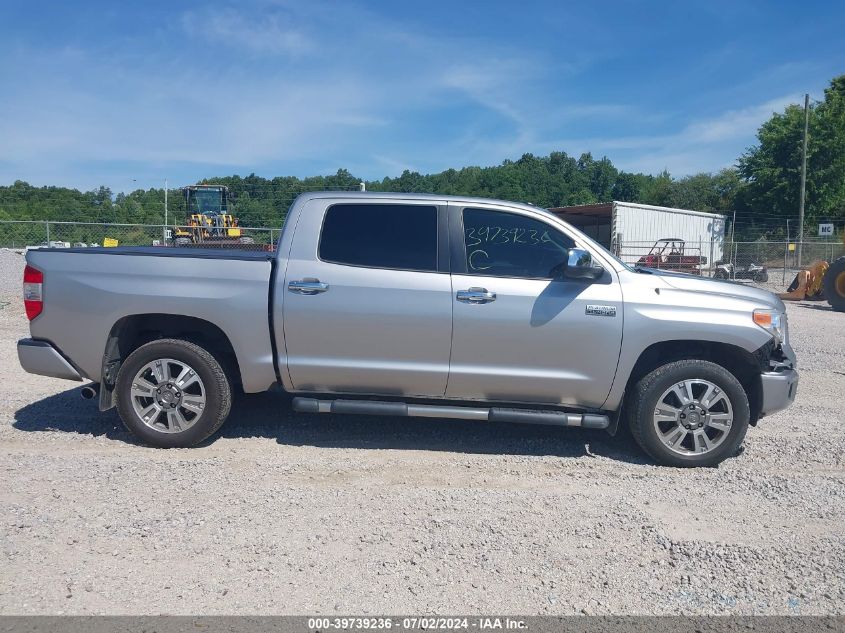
(834, 284)
(720, 274)
(644, 397)
(761, 278)
(218, 393)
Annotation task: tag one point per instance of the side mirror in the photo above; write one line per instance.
(579, 265)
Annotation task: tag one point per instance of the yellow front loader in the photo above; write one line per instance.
(821, 280)
(210, 222)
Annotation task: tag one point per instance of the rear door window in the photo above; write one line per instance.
(396, 236)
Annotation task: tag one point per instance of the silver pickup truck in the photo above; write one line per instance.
(413, 305)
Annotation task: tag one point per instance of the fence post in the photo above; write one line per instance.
(47, 231)
(733, 268)
(785, 255)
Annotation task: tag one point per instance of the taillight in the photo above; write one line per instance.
(33, 287)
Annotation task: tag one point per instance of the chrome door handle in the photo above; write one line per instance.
(307, 287)
(476, 295)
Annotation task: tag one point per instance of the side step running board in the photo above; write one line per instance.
(494, 414)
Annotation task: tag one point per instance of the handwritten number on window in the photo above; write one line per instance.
(478, 258)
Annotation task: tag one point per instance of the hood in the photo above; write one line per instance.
(708, 286)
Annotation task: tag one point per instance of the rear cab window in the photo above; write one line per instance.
(391, 236)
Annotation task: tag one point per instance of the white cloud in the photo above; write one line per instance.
(347, 99)
(735, 123)
(305, 84)
(271, 32)
(392, 165)
(242, 125)
(707, 144)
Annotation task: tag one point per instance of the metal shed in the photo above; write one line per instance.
(630, 230)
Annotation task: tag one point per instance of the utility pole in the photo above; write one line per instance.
(803, 178)
(164, 231)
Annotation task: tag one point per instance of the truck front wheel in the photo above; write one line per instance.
(834, 284)
(172, 393)
(689, 413)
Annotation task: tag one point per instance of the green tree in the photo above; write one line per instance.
(626, 188)
(829, 159)
(772, 168)
(657, 190)
(706, 192)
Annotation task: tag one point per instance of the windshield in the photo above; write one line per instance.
(611, 255)
(206, 201)
(584, 238)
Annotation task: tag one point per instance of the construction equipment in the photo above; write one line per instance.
(834, 284)
(821, 280)
(669, 254)
(807, 283)
(210, 221)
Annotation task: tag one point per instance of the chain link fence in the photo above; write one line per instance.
(772, 264)
(46, 234)
(672, 255)
(769, 264)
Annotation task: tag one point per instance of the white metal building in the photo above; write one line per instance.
(630, 230)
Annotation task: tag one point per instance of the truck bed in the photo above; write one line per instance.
(87, 291)
(180, 251)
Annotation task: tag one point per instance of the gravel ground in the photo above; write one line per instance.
(285, 513)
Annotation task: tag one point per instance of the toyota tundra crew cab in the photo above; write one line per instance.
(413, 305)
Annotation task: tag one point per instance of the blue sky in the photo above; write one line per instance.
(126, 94)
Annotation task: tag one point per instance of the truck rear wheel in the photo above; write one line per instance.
(834, 284)
(689, 413)
(172, 393)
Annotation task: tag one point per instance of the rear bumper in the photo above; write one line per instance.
(40, 357)
(779, 388)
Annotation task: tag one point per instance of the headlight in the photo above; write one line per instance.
(772, 321)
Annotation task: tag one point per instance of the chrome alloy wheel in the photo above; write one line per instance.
(693, 417)
(168, 395)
